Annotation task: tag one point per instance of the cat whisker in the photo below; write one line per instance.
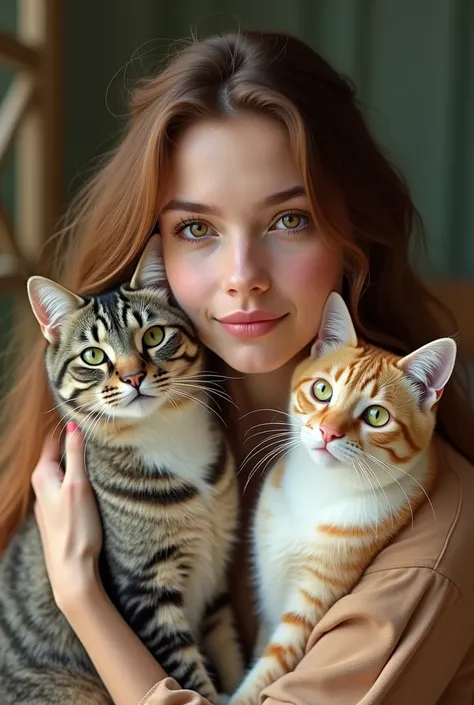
(216, 376)
(64, 420)
(100, 417)
(257, 411)
(360, 474)
(104, 417)
(93, 415)
(397, 482)
(53, 408)
(212, 397)
(200, 381)
(369, 481)
(63, 455)
(199, 385)
(266, 433)
(373, 474)
(71, 410)
(270, 424)
(87, 437)
(186, 395)
(270, 441)
(284, 446)
(370, 478)
(396, 468)
(66, 417)
(211, 373)
(279, 433)
(269, 457)
(209, 390)
(170, 399)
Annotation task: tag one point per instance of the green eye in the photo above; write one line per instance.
(94, 356)
(376, 416)
(292, 221)
(322, 390)
(153, 336)
(198, 229)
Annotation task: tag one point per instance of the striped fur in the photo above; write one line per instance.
(345, 488)
(165, 484)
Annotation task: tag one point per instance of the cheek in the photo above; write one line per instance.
(314, 272)
(187, 283)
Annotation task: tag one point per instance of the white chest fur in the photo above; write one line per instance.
(306, 496)
(181, 440)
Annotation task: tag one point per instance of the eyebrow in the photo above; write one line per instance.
(273, 200)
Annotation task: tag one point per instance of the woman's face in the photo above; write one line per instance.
(243, 256)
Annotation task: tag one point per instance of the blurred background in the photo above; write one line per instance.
(66, 68)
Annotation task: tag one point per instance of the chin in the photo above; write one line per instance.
(255, 359)
(139, 408)
(323, 458)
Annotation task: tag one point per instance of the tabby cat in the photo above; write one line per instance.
(127, 367)
(361, 461)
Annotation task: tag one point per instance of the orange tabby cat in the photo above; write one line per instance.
(361, 463)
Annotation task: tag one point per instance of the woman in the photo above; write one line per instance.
(269, 193)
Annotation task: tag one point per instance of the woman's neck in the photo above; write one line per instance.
(267, 391)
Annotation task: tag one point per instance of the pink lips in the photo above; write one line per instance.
(250, 324)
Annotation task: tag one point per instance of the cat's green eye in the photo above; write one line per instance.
(93, 356)
(153, 336)
(322, 390)
(376, 416)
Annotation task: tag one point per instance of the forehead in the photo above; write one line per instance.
(108, 315)
(232, 160)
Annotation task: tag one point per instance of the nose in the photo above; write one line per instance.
(329, 433)
(134, 378)
(245, 270)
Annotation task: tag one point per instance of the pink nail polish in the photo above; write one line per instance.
(71, 426)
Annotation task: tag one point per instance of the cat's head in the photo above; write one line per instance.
(118, 355)
(353, 401)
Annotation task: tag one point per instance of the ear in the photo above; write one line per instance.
(431, 366)
(336, 327)
(51, 304)
(150, 272)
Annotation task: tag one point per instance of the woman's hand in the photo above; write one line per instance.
(68, 520)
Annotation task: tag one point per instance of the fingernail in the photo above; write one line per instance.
(71, 426)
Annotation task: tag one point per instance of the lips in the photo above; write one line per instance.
(256, 316)
(247, 325)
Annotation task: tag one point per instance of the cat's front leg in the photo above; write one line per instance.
(285, 647)
(170, 639)
(221, 643)
(159, 617)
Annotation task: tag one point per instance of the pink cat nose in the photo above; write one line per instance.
(329, 433)
(134, 378)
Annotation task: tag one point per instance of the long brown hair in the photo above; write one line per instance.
(343, 169)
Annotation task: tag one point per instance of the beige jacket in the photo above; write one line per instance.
(405, 634)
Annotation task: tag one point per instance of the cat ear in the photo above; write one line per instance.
(51, 304)
(150, 272)
(431, 366)
(336, 327)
